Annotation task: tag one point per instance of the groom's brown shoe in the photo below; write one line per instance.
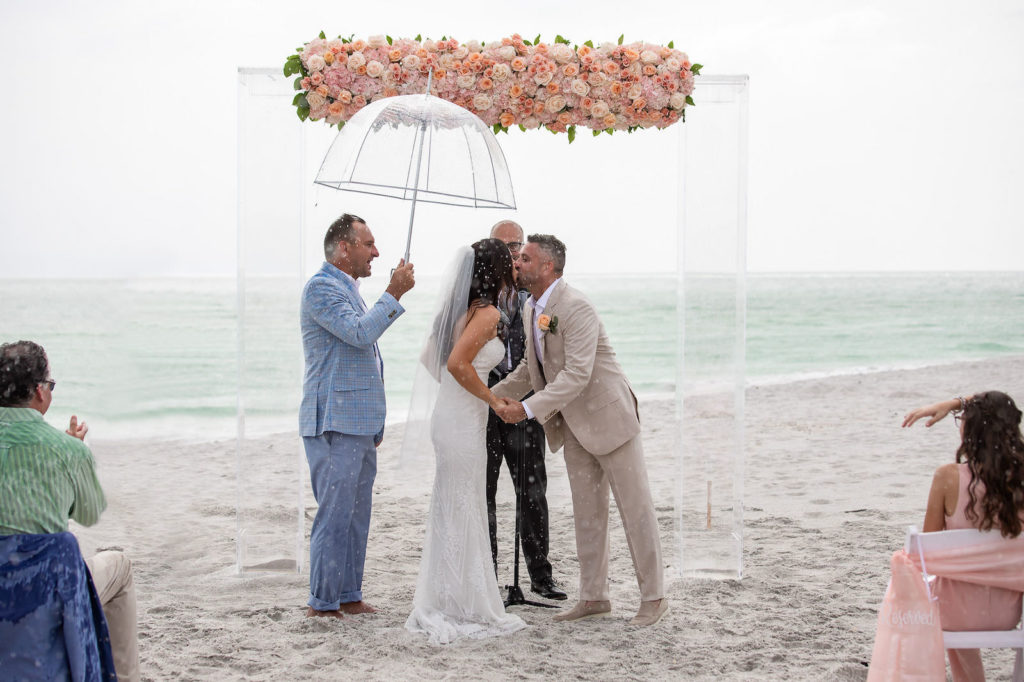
(585, 609)
(650, 612)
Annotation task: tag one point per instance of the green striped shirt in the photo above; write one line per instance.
(46, 476)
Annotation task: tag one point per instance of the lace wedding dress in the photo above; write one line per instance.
(456, 593)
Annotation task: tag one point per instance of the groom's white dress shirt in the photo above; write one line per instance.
(538, 310)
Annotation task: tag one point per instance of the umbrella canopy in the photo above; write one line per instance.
(419, 148)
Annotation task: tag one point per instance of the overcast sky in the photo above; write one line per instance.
(883, 135)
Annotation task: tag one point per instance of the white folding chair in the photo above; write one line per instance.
(918, 543)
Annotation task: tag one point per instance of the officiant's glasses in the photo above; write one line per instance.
(514, 248)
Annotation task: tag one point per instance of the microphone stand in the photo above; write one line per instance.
(515, 593)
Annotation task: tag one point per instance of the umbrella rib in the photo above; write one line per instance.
(472, 165)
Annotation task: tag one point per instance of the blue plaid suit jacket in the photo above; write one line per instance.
(342, 389)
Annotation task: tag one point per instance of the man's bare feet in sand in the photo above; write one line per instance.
(311, 612)
(354, 608)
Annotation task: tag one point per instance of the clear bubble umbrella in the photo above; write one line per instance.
(419, 148)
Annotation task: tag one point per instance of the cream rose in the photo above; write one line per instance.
(429, 45)
(376, 41)
(507, 52)
(461, 52)
(677, 100)
(474, 46)
(355, 60)
(579, 88)
(649, 57)
(446, 61)
(374, 68)
(482, 102)
(315, 100)
(562, 53)
(543, 78)
(673, 64)
(531, 122)
(599, 109)
(315, 63)
(410, 61)
(465, 81)
(555, 103)
(635, 90)
(502, 72)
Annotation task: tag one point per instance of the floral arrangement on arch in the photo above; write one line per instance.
(510, 82)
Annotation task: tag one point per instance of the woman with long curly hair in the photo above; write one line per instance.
(982, 489)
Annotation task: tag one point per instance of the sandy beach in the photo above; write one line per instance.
(832, 481)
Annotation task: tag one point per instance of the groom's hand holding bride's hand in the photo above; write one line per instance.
(511, 411)
(402, 279)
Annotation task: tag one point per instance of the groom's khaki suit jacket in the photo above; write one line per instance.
(579, 383)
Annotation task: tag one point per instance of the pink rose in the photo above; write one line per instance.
(315, 100)
(374, 69)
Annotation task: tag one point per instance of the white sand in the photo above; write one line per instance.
(831, 483)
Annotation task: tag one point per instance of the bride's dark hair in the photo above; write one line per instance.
(994, 452)
(492, 274)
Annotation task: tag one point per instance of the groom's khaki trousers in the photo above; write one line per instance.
(624, 471)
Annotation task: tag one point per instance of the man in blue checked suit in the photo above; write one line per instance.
(341, 419)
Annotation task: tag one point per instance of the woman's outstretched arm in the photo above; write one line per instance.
(936, 412)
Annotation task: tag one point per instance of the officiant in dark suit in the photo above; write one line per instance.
(504, 442)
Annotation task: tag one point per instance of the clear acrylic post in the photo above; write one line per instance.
(712, 330)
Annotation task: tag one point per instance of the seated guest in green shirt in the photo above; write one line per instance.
(47, 477)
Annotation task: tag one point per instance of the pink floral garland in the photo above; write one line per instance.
(506, 83)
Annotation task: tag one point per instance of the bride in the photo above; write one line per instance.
(457, 592)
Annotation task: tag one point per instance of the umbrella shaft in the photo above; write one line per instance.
(415, 189)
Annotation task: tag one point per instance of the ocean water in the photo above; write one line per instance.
(159, 357)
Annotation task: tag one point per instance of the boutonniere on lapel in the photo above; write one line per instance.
(548, 323)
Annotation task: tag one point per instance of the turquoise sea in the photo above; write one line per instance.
(159, 357)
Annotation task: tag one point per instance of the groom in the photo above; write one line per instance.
(341, 419)
(585, 403)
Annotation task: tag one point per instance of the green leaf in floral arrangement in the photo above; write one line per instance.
(572, 133)
(322, 35)
(689, 100)
(298, 83)
(418, 38)
(682, 116)
(290, 68)
(341, 124)
(590, 44)
(671, 44)
(526, 42)
(388, 38)
(302, 113)
(536, 41)
(695, 69)
(300, 100)
(522, 127)
(496, 127)
(560, 39)
(621, 37)
(596, 132)
(610, 131)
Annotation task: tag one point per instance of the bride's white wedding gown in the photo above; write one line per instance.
(457, 594)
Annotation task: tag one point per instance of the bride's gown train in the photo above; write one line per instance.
(457, 593)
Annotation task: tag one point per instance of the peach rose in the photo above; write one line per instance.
(374, 69)
(565, 118)
(323, 91)
(539, 106)
(361, 70)
(336, 108)
(552, 88)
(571, 69)
(394, 55)
(359, 101)
(609, 120)
(485, 83)
(630, 54)
(583, 50)
(328, 58)
(518, 64)
(507, 119)
(390, 92)
(316, 79)
(515, 91)
(599, 109)
(609, 67)
(543, 322)
(639, 103)
(345, 97)
(615, 88)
